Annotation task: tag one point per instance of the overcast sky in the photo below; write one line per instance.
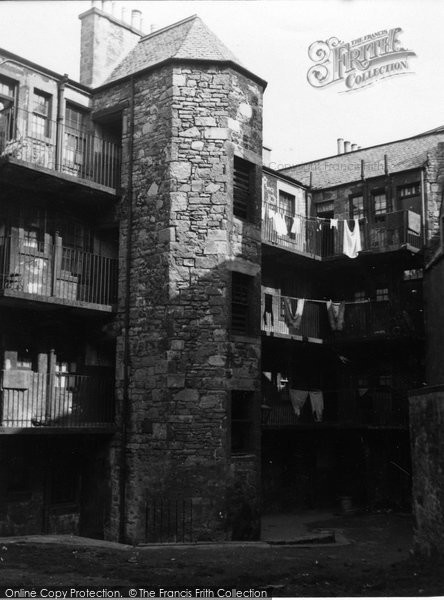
(271, 38)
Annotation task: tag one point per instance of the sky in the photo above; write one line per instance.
(271, 38)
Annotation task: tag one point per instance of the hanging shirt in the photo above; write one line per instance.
(280, 224)
(352, 240)
(293, 313)
(336, 313)
(333, 223)
(296, 226)
(317, 404)
(297, 399)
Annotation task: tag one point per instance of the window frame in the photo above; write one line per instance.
(247, 282)
(41, 117)
(361, 212)
(243, 189)
(242, 423)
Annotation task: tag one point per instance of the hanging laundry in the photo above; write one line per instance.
(317, 404)
(336, 313)
(263, 211)
(297, 399)
(352, 240)
(293, 311)
(296, 226)
(280, 224)
(333, 223)
(268, 310)
(319, 225)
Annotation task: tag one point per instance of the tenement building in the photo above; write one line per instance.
(188, 338)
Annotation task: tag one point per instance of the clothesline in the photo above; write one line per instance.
(365, 301)
(282, 211)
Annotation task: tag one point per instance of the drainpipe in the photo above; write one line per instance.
(126, 326)
(60, 121)
(423, 209)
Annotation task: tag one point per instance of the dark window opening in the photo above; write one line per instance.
(382, 294)
(65, 482)
(243, 189)
(357, 207)
(242, 440)
(406, 191)
(241, 295)
(325, 210)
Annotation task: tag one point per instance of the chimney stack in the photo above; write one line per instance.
(136, 19)
(340, 146)
(346, 146)
(105, 41)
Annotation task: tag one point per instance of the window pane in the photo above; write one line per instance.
(380, 203)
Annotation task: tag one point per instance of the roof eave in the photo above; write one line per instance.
(175, 60)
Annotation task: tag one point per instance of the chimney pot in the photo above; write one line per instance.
(153, 27)
(114, 8)
(346, 146)
(266, 156)
(124, 14)
(106, 5)
(136, 19)
(354, 147)
(340, 146)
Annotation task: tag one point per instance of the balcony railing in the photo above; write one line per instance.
(374, 407)
(44, 143)
(316, 238)
(43, 269)
(362, 320)
(31, 400)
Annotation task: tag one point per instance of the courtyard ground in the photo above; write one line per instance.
(372, 557)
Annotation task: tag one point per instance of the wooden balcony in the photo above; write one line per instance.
(43, 271)
(43, 403)
(376, 408)
(316, 239)
(368, 320)
(57, 149)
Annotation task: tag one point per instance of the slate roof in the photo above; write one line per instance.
(345, 168)
(187, 39)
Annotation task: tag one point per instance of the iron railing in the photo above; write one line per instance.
(317, 238)
(44, 268)
(29, 399)
(44, 143)
(373, 407)
(362, 320)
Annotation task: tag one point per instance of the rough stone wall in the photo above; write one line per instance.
(434, 179)
(427, 444)
(189, 123)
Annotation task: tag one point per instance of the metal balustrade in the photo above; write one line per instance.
(31, 399)
(45, 269)
(316, 238)
(59, 147)
(362, 320)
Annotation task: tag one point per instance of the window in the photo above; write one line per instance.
(382, 294)
(41, 114)
(406, 191)
(243, 189)
(241, 296)
(380, 203)
(75, 136)
(325, 209)
(410, 274)
(359, 296)
(286, 203)
(385, 380)
(357, 207)
(242, 440)
(8, 101)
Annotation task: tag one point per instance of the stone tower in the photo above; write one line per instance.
(189, 348)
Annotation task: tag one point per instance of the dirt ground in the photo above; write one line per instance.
(376, 561)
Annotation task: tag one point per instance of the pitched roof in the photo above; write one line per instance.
(345, 168)
(187, 39)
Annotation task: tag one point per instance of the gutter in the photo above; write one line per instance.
(123, 472)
